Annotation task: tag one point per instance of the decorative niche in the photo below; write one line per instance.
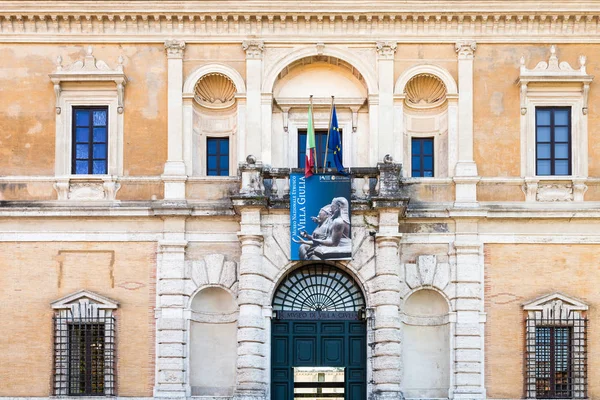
(425, 91)
(88, 82)
(426, 104)
(554, 83)
(215, 91)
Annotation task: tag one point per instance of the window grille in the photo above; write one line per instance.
(556, 355)
(84, 352)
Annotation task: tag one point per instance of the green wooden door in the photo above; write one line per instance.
(326, 343)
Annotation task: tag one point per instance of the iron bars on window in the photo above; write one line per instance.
(556, 356)
(84, 353)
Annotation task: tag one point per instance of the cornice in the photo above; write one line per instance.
(297, 21)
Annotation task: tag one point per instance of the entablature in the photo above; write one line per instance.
(415, 20)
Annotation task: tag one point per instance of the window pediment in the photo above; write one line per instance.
(554, 305)
(554, 73)
(89, 70)
(84, 297)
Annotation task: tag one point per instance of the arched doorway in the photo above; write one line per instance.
(318, 336)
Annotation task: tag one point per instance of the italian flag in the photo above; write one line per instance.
(309, 162)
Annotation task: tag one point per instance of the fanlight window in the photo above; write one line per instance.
(318, 288)
(215, 91)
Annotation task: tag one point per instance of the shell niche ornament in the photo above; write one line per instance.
(215, 91)
(425, 91)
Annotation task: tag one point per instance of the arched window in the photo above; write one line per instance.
(318, 287)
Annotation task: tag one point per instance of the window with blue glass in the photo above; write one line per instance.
(217, 156)
(422, 157)
(553, 140)
(90, 140)
(320, 143)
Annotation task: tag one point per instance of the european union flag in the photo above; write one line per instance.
(335, 142)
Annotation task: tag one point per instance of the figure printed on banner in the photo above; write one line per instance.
(320, 217)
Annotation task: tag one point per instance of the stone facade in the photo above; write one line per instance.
(190, 262)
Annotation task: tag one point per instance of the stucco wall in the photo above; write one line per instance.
(34, 274)
(27, 101)
(517, 273)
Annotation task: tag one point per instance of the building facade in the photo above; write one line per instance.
(145, 157)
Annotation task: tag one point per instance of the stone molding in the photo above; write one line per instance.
(386, 50)
(89, 70)
(555, 305)
(174, 48)
(465, 49)
(410, 20)
(253, 48)
(552, 73)
(212, 271)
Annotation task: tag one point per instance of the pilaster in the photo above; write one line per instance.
(470, 318)
(256, 140)
(385, 71)
(171, 300)
(174, 175)
(252, 360)
(385, 286)
(465, 176)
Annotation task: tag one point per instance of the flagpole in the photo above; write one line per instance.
(328, 130)
(313, 125)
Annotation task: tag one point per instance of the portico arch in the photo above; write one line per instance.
(365, 71)
(318, 334)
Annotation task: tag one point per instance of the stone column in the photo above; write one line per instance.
(465, 176)
(385, 71)
(468, 300)
(254, 133)
(171, 300)
(252, 360)
(174, 175)
(385, 286)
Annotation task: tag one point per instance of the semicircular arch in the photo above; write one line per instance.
(441, 73)
(347, 280)
(336, 52)
(235, 76)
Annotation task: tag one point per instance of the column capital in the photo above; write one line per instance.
(386, 50)
(174, 48)
(465, 49)
(253, 48)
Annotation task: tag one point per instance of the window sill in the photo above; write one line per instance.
(87, 187)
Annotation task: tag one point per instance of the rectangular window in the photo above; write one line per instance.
(422, 157)
(320, 143)
(556, 356)
(86, 359)
(217, 156)
(553, 140)
(84, 353)
(553, 359)
(90, 140)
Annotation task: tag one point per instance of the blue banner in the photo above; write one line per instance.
(320, 217)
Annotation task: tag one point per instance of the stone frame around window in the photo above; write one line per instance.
(84, 307)
(554, 84)
(88, 82)
(194, 146)
(556, 309)
(444, 111)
